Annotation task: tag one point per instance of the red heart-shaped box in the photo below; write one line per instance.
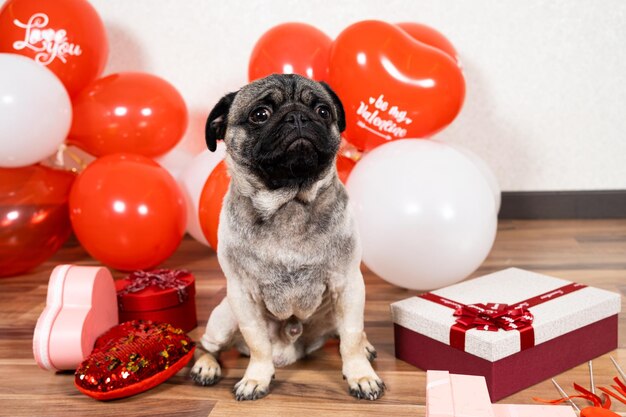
(391, 85)
(133, 357)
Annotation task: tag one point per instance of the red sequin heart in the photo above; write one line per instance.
(133, 357)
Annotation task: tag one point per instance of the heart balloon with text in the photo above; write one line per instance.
(392, 86)
(431, 37)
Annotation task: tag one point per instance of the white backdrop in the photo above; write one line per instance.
(546, 80)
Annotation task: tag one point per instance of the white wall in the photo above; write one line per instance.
(546, 80)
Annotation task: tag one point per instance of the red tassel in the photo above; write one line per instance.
(608, 392)
(588, 395)
(621, 385)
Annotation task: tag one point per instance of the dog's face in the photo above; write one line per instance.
(285, 129)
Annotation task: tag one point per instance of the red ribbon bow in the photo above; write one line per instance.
(162, 278)
(491, 317)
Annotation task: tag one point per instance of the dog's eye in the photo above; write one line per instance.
(323, 111)
(260, 115)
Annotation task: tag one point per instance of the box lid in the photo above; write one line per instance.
(552, 318)
(439, 394)
(155, 290)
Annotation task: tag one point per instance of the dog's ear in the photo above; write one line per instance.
(217, 122)
(341, 115)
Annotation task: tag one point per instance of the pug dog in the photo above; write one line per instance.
(288, 244)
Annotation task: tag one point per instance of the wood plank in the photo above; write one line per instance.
(299, 408)
(36, 406)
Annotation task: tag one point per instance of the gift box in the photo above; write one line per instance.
(80, 306)
(513, 327)
(162, 295)
(439, 394)
(452, 395)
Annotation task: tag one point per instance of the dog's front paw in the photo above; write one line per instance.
(370, 351)
(206, 371)
(367, 387)
(250, 389)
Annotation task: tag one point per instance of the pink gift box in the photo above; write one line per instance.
(439, 394)
(565, 317)
(450, 395)
(80, 306)
(470, 396)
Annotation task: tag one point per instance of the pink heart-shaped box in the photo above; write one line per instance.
(81, 305)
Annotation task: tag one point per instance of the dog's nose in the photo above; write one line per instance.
(297, 119)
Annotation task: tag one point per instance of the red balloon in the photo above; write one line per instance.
(34, 216)
(392, 87)
(127, 211)
(430, 37)
(344, 167)
(128, 112)
(67, 36)
(216, 186)
(291, 48)
(210, 204)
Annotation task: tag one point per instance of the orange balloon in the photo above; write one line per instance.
(34, 216)
(216, 186)
(67, 36)
(210, 204)
(291, 48)
(392, 87)
(430, 37)
(344, 167)
(128, 112)
(127, 211)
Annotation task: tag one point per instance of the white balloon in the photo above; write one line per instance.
(425, 213)
(485, 170)
(35, 111)
(175, 161)
(192, 181)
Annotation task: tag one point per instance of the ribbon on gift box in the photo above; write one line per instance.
(495, 316)
(161, 278)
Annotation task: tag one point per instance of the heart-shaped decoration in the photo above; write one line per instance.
(133, 357)
(80, 306)
(431, 37)
(392, 86)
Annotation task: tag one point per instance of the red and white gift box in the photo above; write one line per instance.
(163, 295)
(513, 327)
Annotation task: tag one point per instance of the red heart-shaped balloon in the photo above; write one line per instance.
(431, 37)
(391, 85)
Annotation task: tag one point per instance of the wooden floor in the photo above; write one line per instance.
(591, 252)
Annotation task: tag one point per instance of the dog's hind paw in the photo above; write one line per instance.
(206, 371)
(250, 389)
(367, 388)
